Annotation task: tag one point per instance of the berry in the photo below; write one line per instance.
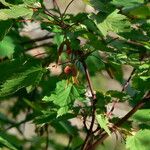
(67, 70)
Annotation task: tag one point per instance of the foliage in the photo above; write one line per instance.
(61, 91)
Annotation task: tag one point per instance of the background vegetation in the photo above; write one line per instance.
(57, 81)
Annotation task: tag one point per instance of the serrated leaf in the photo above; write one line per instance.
(7, 47)
(142, 115)
(64, 96)
(12, 67)
(18, 74)
(140, 141)
(114, 22)
(29, 77)
(141, 83)
(7, 144)
(103, 122)
(16, 12)
(63, 110)
(5, 27)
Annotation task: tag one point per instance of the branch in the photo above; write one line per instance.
(122, 120)
(93, 105)
(67, 7)
(16, 125)
(69, 142)
(37, 39)
(38, 46)
(124, 40)
(47, 137)
(123, 89)
(89, 80)
(128, 81)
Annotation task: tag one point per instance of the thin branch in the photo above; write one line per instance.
(89, 80)
(47, 137)
(122, 120)
(16, 125)
(84, 122)
(126, 41)
(67, 7)
(69, 142)
(37, 39)
(123, 89)
(93, 105)
(56, 5)
(128, 81)
(38, 46)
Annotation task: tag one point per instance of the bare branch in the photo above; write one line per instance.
(67, 7)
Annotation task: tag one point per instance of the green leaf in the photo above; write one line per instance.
(101, 5)
(114, 70)
(7, 47)
(50, 116)
(29, 77)
(118, 95)
(94, 63)
(103, 122)
(127, 3)
(5, 27)
(23, 75)
(140, 141)
(141, 12)
(141, 83)
(16, 12)
(142, 115)
(64, 96)
(7, 144)
(33, 3)
(114, 22)
(5, 3)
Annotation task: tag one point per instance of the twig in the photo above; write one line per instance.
(67, 7)
(122, 120)
(37, 40)
(69, 142)
(56, 5)
(84, 122)
(123, 89)
(93, 105)
(126, 41)
(89, 80)
(16, 125)
(47, 137)
(38, 46)
(128, 81)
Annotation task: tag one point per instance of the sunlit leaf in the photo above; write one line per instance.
(103, 122)
(7, 144)
(114, 22)
(139, 141)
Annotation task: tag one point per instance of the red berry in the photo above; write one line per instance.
(67, 70)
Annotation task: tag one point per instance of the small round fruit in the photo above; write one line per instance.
(67, 70)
